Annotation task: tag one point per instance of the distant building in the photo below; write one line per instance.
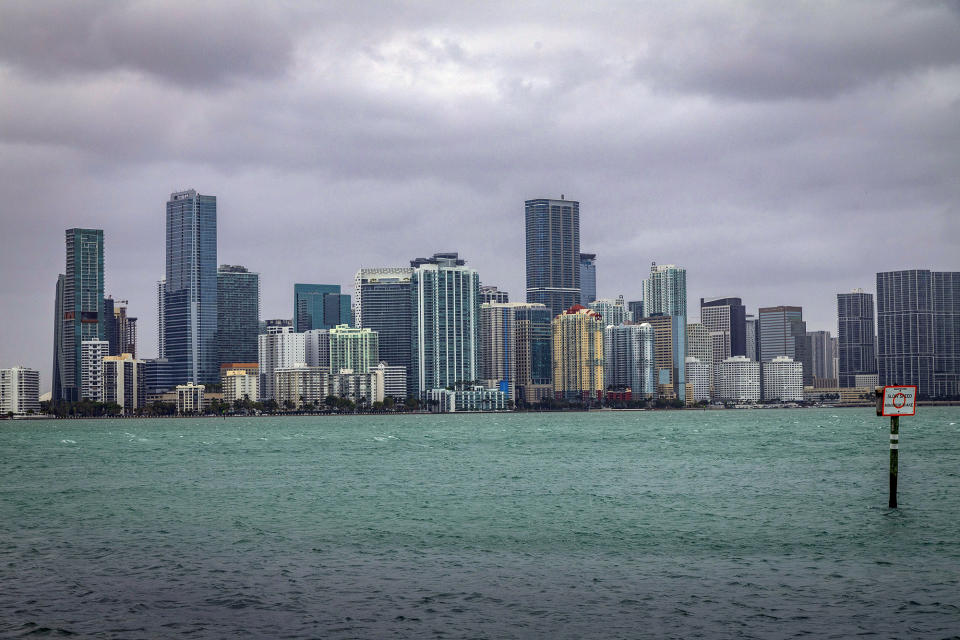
(737, 379)
(158, 376)
(489, 293)
(588, 278)
(319, 306)
(238, 313)
(784, 333)
(751, 334)
(190, 398)
(665, 294)
(578, 355)
(383, 304)
(240, 381)
(553, 253)
(866, 380)
(353, 348)
(475, 398)
(316, 344)
(629, 359)
(302, 386)
(856, 349)
(699, 379)
(725, 320)
(700, 346)
(280, 350)
(782, 380)
(121, 329)
(669, 346)
(161, 318)
(92, 353)
(635, 307)
(19, 391)
(612, 310)
(515, 349)
(124, 382)
(821, 354)
(445, 310)
(394, 380)
(274, 325)
(918, 322)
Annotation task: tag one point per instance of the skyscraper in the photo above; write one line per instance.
(578, 355)
(821, 354)
(515, 349)
(918, 322)
(383, 303)
(238, 314)
(612, 311)
(669, 348)
(750, 334)
(161, 318)
(628, 359)
(553, 253)
(280, 349)
(79, 309)
(121, 329)
(445, 309)
(726, 316)
(665, 294)
(588, 278)
(190, 293)
(856, 350)
(777, 331)
(319, 306)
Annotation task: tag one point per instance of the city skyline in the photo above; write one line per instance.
(773, 184)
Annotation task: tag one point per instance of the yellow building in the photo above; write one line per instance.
(578, 354)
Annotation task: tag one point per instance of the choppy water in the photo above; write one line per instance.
(727, 524)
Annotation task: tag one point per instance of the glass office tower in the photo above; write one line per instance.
(319, 306)
(383, 305)
(856, 349)
(190, 292)
(553, 253)
(238, 314)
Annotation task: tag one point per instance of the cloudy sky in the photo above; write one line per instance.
(781, 152)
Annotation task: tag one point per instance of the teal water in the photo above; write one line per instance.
(727, 524)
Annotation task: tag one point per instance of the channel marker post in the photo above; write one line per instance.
(895, 401)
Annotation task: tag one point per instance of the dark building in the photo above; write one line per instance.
(856, 349)
(158, 376)
(319, 306)
(588, 278)
(553, 253)
(636, 308)
(383, 305)
(918, 322)
(190, 289)
(490, 293)
(727, 316)
(238, 314)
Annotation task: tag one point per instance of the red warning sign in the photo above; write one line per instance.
(900, 400)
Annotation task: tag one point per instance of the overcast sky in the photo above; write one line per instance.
(781, 152)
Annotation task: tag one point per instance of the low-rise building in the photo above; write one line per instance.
(477, 398)
(190, 398)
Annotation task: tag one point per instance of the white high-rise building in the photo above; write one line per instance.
(19, 390)
(613, 311)
(240, 384)
(737, 379)
(280, 349)
(783, 379)
(699, 377)
(394, 380)
(700, 346)
(628, 359)
(123, 382)
(92, 353)
(317, 348)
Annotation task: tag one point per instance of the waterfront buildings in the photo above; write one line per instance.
(782, 379)
(279, 350)
(240, 381)
(699, 379)
(474, 398)
(319, 306)
(384, 302)
(751, 335)
(856, 349)
(700, 346)
(515, 347)
(161, 318)
(316, 344)
(353, 349)
(612, 310)
(123, 382)
(553, 253)
(489, 293)
(918, 321)
(725, 320)
(588, 278)
(669, 348)
(821, 354)
(120, 328)
(578, 355)
(665, 294)
(394, 380)
(737, 379)
(190, 398)
(784, 333)
(303, 386)
(158, 376)
(445, 309)
(19, 390)
(238, 314)
(92, 353)
(78, 308)
(629, 359)
(190, 291)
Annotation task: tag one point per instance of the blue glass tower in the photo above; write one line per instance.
(190, 293)
(553, 253)
(319, 306)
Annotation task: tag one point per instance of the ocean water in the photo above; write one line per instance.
(720, 524)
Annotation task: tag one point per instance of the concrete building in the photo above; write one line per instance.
(725, 320)
(515, 342)
(751, 337)
(475, 398)
(92, 353)
(279, 350)
(240, 381)
(121, 329)
(384, 303)
(353, 348)
(19, 391)
(629, 359)
(190, 398)
(700, 346)
(782, 380)
(489, 293)
(123, 377)
(302, 386)
(821, 354)
(394, 380)
(613, 311)
(190, 294)
(866, 381)
(588, 278)
(699, 379)
(669, 345)
(445, 316)
(737, 379)
(161, 318)
(665, 294)
(578, 355)
(238, 313)
(317, 348)
(553, 253)
(784, 333)
(635, 307)
(319, 306)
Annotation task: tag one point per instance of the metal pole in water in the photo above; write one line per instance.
(894, 444)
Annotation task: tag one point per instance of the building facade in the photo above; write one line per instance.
(394, 380)
(856, 331)
(19, 391)
(319, 306)
(629, 359)
(353, 349)
(123, 378)
(280, 350)
(699, 379)
(490, 293)
(238, 314)
(588, 278)
(737, 379)
(750, 335)
(384, 301)
(190, 291)
(578, 355)
(821, 354)
(515, 343)
(92, 353)
(727, 318)
(553, 253)
(240, 381)
(669, 340)
(782, 379)
(612, 311)
(316, 344)
(190, 398)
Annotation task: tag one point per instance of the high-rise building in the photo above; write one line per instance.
(629, 359)
(699, 379)
(394, 380)
(19, 390)
(856, 349)
(354, 349)
(92, 353)
(161, 318)
(553, 253)
(279, 350)
(190, 293)
(79, 309)
(669, 347)
(918, 321)
(782, 379)
(635, 307)
(59, 378)
(238, 314)
(750, 335)
(383, 303)
(445, 318)
(700, 346)
(274, 325)
(588, 278)
(316, 344)
(515, 349)
(737, 379)
(777, 331)
(319, 306)
(158, 376)
(821, 354)
(612, 310)
(578, 355)
(725, 317)
(121, 329)
(665, 291)
(490, 293)
(240, 381)
(123, 382)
